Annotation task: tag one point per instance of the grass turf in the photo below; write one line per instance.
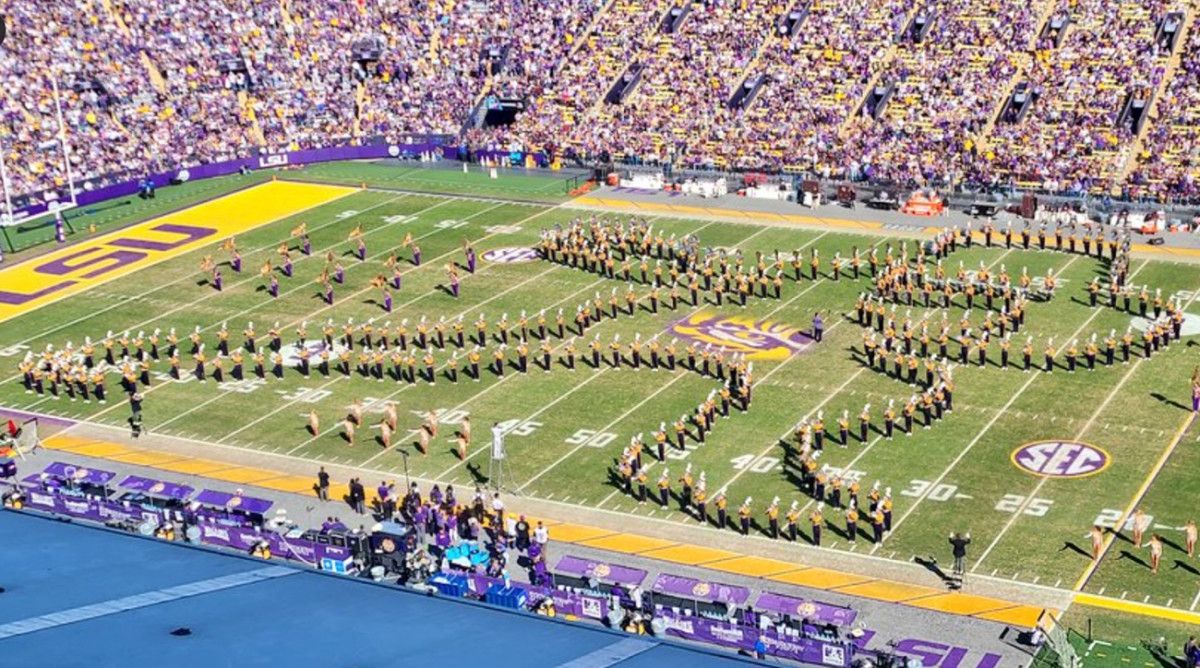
(568, 426)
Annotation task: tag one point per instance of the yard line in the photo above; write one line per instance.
(1195, 601)
(818, 407)
(336, 378)
(780, 365)
(488, 388)
(212, 293)
(608, 426)
(862, 452)
(312, 314)
(696, 310)
(1082, 432)
(1037, 488)
(995, 418)
(574, 388)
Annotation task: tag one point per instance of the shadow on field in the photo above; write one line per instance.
(1185, 566)
(930, 564)
(1076, 549)
(1126, 554)
(1170, 402)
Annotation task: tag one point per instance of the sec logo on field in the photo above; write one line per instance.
(510, 255)
(1060, 459)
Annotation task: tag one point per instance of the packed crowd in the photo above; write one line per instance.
(437, 58)
(946, 87)
(715, 44)
(1072, 139)
(814, 79)
(1168, 160)
(154, 86)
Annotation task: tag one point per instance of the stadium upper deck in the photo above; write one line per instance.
(1039, 94)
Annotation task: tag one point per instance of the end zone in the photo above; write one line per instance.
(80, 267)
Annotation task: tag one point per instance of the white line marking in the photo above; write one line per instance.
(145, 600)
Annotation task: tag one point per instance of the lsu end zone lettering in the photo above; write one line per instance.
(80, 267)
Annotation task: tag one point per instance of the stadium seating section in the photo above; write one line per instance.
(878, 89)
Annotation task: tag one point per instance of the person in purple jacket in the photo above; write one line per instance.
(818, 327)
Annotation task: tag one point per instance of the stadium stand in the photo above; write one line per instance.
(1058, 95)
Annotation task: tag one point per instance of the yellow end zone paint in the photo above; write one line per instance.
(80, 267)
(1143, 609)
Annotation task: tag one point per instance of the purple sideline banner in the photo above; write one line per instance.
(48, 499)
(586, 568)
(169, 490)
(79, 473)
(685, 587)
(805, 609)
(804, 650)
(565, 602)
(243, 539)
(229, 501)
(87, 194)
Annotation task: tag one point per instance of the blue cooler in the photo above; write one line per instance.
(506, 597)
(450, 584)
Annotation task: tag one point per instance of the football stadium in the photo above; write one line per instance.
(607, 332)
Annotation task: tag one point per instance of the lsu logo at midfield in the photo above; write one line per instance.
(759, 340)
(1060, 459)
(510, 255)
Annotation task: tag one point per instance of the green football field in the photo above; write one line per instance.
(567, 427)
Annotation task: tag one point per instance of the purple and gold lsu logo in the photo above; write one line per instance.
(701, 589)
(1060, 459)
(510, 255)
(757, 339)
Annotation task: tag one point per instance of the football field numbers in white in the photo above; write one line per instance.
(306, 395)
(848, 475)
(398, 219)
(1011, 503)
(13, 350)
(754, 464)
(591, 438)
(925, 488)
(346, 214)
(1109, 517)
(449, 224)
(243, 386)
(519, 427)
(164, 377)
(450, 416)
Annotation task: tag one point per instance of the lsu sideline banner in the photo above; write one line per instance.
(80, 267)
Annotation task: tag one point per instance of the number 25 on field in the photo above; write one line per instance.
(1012, 503)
